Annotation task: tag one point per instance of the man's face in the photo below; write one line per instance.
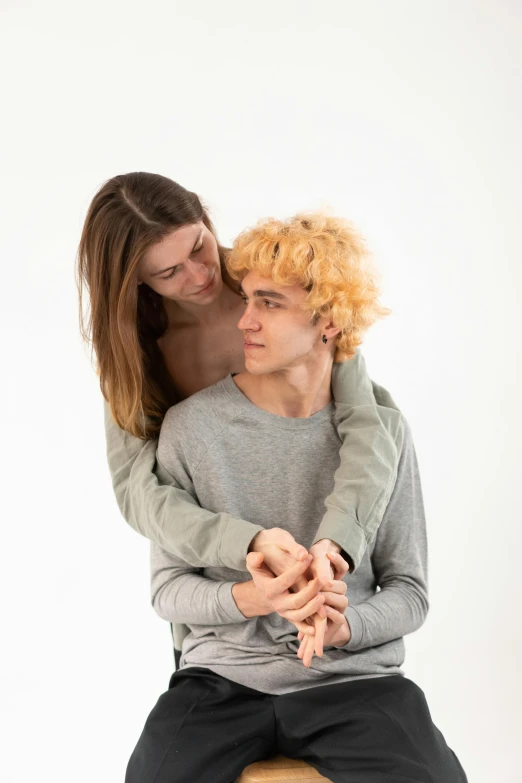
(278, 334)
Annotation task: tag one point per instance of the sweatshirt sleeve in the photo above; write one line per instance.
(158, 507)
(399, 562)
(371, 431)
(181, 594)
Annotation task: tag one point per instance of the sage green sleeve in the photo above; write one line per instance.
(157, 507)
(371, 429)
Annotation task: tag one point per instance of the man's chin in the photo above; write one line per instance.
(254, 367)
(255, 370)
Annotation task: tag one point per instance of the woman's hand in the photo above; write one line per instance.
(279, 548)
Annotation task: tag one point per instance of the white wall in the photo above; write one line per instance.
(404, 116)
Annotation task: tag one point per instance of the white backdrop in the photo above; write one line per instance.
(404, 116)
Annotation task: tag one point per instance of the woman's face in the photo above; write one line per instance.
(184, 266)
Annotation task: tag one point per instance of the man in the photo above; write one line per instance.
(262, 444)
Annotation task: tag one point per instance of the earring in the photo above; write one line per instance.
(325, 339)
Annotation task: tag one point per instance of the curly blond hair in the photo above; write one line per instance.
(325, 255)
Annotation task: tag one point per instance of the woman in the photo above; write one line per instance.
(163, 325)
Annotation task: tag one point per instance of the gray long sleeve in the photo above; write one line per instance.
(396, 562)
(154, 504)
(181, 595)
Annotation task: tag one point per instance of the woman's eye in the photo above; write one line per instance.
(197, 249)
(167, 277)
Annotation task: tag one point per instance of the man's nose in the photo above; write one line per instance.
(248, 321)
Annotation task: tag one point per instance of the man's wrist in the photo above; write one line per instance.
(345, 635)
(249, 600)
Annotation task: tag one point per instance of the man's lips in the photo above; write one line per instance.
(248, 345)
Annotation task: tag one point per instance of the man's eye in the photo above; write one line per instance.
(244, 299)
(270, 304)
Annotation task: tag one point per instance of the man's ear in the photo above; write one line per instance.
(331, 330)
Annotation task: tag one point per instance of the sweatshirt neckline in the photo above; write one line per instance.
(272, 419)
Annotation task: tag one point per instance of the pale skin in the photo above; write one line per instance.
(209, 329)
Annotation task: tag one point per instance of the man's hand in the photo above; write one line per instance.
(295, 607)
(279, 548)
(249, 600)
(335, 599)
(337, 633)
(330, 568)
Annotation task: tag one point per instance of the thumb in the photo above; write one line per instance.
(254, 560)
(322, 569)
(298, 551)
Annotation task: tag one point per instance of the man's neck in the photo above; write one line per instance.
(296, 393)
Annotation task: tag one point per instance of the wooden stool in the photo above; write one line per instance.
(280, 770)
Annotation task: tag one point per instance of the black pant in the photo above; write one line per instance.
(207, 729)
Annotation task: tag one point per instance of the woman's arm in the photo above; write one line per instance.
(155, 505)
(399, 561)
(370, 426)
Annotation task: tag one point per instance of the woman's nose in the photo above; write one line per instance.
(199, 274)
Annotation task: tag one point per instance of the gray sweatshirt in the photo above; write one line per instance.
(232, 456)
(370, 431)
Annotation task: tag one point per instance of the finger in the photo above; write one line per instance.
(309, 651)
(300, 599)
(339, 602)
(339, 563)
(259, 571)
(255, 562)
(290, 545)
(305, 629)
(335, 586)
(320, 630)
(322, 568)
(281, 583)
(255, 558)
(335, 616)
(302, 648)
(280, 561)
(298, 615)
(300, 636)
(301, 583)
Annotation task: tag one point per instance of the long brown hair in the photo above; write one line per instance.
(129, 214)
